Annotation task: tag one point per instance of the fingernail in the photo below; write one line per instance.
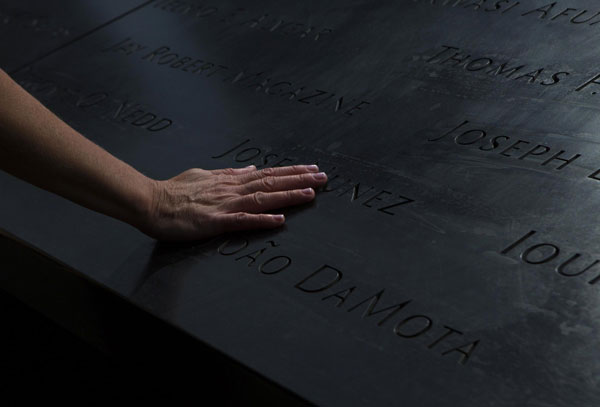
(313, 168)
(251, 166)
(320, 176)
(279, 218)
(307, 191)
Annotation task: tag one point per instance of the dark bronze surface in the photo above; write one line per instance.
(31, 29)
(452, 258)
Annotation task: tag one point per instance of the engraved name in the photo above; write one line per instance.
(507, 146)
(455, 57)
(33, 22)
(553, 158)
(262, 82)
(325, 283)
(245, 19)
(554, 12)
(519, 72)
(100, 103)
(541, 252)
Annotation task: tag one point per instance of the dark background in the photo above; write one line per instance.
(148, 361)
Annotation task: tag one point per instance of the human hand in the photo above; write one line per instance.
(197, 203)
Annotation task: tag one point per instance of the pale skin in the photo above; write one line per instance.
(38, 147)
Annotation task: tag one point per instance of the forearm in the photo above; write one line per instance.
(39, 148)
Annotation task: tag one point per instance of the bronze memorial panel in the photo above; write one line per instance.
(450, 261)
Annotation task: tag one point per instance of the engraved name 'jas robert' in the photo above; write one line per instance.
(553, 12)
(260, 81)
(325, 282)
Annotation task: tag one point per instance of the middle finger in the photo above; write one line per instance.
(273, 184)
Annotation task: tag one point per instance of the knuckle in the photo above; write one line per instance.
(268, 172)
(259, 198)
(228, 180)
(268, 183)
(228, 171)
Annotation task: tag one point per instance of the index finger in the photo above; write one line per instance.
(278, 172)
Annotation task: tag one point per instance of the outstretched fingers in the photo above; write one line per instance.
(265, 201)
(279, 172)
(260, 191)
(285, 183)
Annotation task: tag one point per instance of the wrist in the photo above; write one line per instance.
(145, 205)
